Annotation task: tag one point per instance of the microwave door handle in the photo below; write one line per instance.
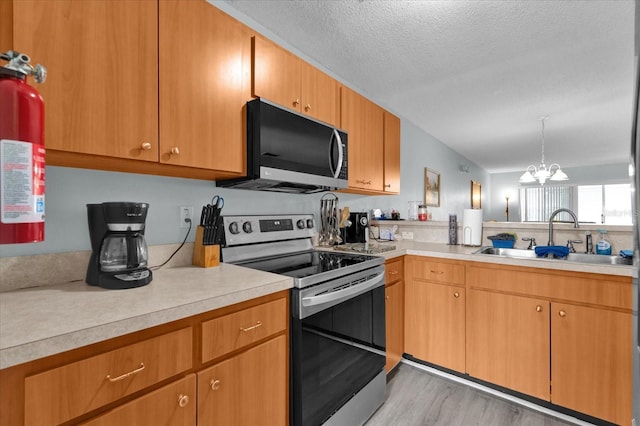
(335, 137)
(345, 293)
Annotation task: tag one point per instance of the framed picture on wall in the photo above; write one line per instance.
(476, 195)
(431, 187)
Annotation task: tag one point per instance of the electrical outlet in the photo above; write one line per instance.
(186, 212)
(407, 235)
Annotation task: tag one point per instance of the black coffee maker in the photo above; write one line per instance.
(119, 251)
(358, 232)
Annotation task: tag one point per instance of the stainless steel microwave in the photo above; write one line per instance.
(289, 152)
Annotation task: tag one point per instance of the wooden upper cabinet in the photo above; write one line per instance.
(205, 82)
(276, 73)
(391, 153)
(281, 77)
(320, 95)
(101, 92)
(363, 121)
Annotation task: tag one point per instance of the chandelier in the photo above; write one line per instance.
(542, 173)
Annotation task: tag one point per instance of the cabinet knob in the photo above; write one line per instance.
(456, 294)
(388, 185)
(386, 298)
(146, 146)
(215, 384)
(183, 400)
(538, 308)
(562, 313)
(296, 102)
(307, 108)
(393, 272)
(175, 150)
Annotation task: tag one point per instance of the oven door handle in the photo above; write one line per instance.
(344, 294)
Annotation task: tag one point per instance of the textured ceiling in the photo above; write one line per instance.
(478, 75)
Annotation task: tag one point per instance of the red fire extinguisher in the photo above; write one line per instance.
(21, 151)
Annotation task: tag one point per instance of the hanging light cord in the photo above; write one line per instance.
(542, 119)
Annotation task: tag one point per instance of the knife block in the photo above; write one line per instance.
(205, 256)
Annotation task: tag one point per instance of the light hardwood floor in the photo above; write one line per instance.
(416, 397)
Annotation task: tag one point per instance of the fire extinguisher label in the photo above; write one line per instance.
(21, 181)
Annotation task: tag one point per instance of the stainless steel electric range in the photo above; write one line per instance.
(337, 328)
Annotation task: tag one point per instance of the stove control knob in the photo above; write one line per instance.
(233, 228)
(309, 223)
(300, 224)
(246, 227)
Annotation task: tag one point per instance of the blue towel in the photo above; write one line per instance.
(556, 251)
(626, 253)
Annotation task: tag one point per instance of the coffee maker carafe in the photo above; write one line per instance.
(119, 251)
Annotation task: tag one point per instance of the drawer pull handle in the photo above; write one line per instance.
(393, 272)
(538, 308)
(437, 272)
(183, 400)
(253, 327)
(125, 375)
(215, 384)
(562, 313)
(456, 294)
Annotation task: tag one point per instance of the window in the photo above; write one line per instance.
(537, 203)
(606, 204)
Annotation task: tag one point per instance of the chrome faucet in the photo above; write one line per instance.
(553, 215)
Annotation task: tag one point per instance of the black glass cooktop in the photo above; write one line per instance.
(313, 264)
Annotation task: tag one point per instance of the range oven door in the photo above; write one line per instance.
(337, 343)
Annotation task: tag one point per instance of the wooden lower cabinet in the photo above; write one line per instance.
(247, 389)
(435, 326)
(158, 376)
(591, 361)
(435, 313)
(560, 336)
(394, 312)
(508, 341)
(174, 404)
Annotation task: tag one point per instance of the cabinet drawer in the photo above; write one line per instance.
(63, 393)
(174, 404)
(394, 271)
(234, 331)
(439, 272)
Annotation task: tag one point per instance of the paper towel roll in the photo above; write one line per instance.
(472, 227)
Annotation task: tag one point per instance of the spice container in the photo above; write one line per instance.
(422, 212)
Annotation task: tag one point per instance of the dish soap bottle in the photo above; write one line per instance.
(603, 246)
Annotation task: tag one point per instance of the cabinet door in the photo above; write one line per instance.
(174, 404)
(248, 389)
(591, 361)
(435, 323)
(101, 92)
(391, 153)
(320, 95)
(394, 313)
(276, 74)
(508, 341)
(363, 121)
(205, 82)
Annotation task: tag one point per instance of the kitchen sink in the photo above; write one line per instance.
(596, 259)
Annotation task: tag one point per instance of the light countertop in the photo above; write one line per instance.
(42, 321)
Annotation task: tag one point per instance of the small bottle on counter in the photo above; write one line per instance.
(422, 213)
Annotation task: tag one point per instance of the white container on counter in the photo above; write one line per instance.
(472, 227)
